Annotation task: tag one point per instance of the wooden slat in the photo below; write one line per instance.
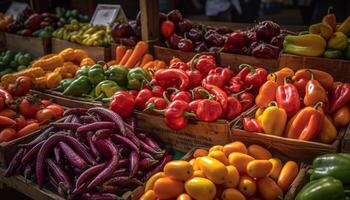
(150, 21)
(345, 146)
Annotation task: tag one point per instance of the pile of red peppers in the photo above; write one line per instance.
(196, 89)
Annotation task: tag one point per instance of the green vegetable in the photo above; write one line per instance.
(21, 67)
(347, 51)
(96, 74)
(332, 53)
(64, 84)
(327, 188)
(106, 88)
(137, 77)
(14, 64)
(79, 86)
(83, 71)
(6, 71)
(118, 74)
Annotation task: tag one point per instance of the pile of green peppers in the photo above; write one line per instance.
(329, 178)
(11, 61)
(96, 83)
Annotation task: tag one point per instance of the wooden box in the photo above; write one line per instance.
(298, 182)
(339, 69)
(36, 46)
(96, 53)
(234, 60)
(345, 143)
(2, 41)
(293, 149)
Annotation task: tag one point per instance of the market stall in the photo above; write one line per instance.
(163, 107)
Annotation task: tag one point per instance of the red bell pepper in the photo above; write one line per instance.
(219, 76)
(192, 106)
(6, 95)
(300, 84)
(287, 97)
(133, 93)
(245, 98)
(256, 77)
(123, 103)
(142, 97)
(155, 103)
(208, 110)
(244, 71)
(157, 91)
(252, 125)
(196, 92)
(340, 97)
(168, 74)
(214, 79)
(205, 63)
(180, 95)
(219, 94)
(234, 108)
(167, 28)
(175, 114)
(236, 83)
(194, 76)
(179, 65)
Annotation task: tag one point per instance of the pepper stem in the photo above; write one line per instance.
(173, 89)
(165, 97)
(330, 10)
(205, 92)
(241, 92)
(189, 114)
(311, 74)
(251, 68)
(286, 79)
(274, 76)
(273, 103)
(318, 105)
(192, 61)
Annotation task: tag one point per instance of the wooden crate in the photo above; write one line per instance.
(196, 133)
(340, 69)
(293, 149)
(345, 143)
(166, 54)
(96, 53)
(36, 46)
(234, 60)
(30, 189)
(2, 41)
(297, 183)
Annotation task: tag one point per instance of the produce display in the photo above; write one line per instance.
(233, 171)
(66, 16)
(91, 154)
(49, 70)
(11, 61)
(304, 105)
(22, 113)
(129, 33)
(323, 39)
(5, 21)
(329, 178)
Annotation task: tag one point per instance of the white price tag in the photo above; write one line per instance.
(107, 14)
(16, 8)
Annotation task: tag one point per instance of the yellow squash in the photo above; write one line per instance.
(200, 188)
(213, 169)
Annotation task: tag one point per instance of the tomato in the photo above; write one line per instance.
(219, 155)
(29, 106)
(200, 188)
(21, 87)
(2, 102)
(7, 134)
(180, 170)
(20, 122)
(235, 147)
(46, 102)
(45, 115)
(259, 168)
(31, 121)
(7, 113)
(213, 169)
(57, 109)
(167, 188)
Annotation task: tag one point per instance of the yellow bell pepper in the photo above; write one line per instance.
(273, 120)
(338, 41)
(328, 132)
(342, 116)
(259, 112)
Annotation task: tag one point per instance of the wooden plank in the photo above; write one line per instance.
(345, 146)
(96, 53)
(2, 41)
(150, 21)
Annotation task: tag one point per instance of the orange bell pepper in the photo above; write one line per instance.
(324, 78)
(280, 75)
(266, 94)
(342, 116)
(314, 92)
(307, 123)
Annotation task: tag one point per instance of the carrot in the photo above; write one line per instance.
(139, 50)
(30, 128)
(149, 65)
(126, 57)
(146, 58)
(6, 121)
(7, 134)
(138, 63)
(7, 113)
(119, 53)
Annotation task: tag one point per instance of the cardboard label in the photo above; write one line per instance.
(16, 8)
(107, 14)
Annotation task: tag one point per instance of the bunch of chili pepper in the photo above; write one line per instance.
(306, 105)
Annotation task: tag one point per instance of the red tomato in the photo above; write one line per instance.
(45, 115)
(57, 109)
(46, 102)
(31, 121)
(2, 102)
(29, 107)
(20, 122)
(7, 134)
(21, 87)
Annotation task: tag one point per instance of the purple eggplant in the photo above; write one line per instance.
(59, 173)
(145, 147)
(99, 196)
(15, 163)
(73, 158)
(147, 163)
(89, 173)
(30, 155)
(146, 155)
(134, 162)
(43, 136)
(80, 149)
(120, 172)
(87, 119)
(109, 115)
(124, 140)
(131, 135)
(66, 126)
(92, 146)
(96, 126)
(75, 111)
(158, 167)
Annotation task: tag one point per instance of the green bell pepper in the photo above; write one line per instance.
(106, 88)
(118, 74)
(332, 53)
(78, 87)
(83, 71)
(137, 77)
(64, 84)
(335, 165)
(327, 188)
(96, 74)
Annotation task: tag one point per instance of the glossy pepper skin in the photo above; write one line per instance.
(118, 74)
(169, 74)
(79, 86)
(307, 123)
(280, 75)
(287, 97)
(325, 188)
(256, 77)
(175, 114)
(328, 131)
(300, 84)
(96, 74)
(137, 77)
(205, 63)
(180, 95)
(123, 103)
(195, 77)
(83, 71)
(219, 94)
(340, 97)
(208, 110)
(245, 98)
(142, 97)
(266, 94)
(64, 84)
(105, 89)
(252, 125)
(314, 93)
(273, 120)
(236, 83)
(342, 116)
(234, 108)
(155, 103)
(324, 78)
(336, 165)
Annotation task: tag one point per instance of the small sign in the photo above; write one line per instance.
(16, 8)
(107, 14)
